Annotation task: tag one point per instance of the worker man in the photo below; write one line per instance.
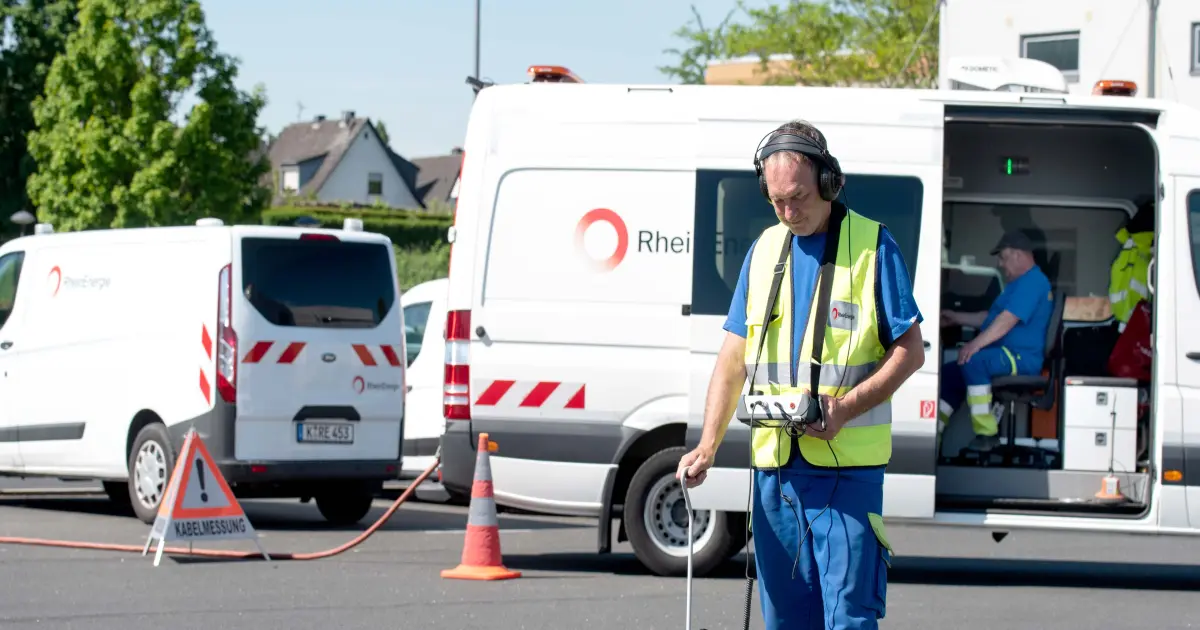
(832, 574)
(1011, 339)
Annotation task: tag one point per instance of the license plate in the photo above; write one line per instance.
(325, 432)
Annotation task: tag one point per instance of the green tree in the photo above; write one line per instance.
(817, 37)
(32, 34)
(108, 152)
(885, 43)
(382, 130)
(704, 46)
(896, 39)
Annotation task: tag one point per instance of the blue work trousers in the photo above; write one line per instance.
(839, 579)
(972, 383)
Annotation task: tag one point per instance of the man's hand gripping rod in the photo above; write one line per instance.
(687, 503)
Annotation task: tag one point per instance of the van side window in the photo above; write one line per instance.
(1193, 206)
(10, 274)
(731, 212)
(416, 316)
(1075, 245)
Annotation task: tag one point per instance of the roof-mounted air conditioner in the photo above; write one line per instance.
(1000, 74)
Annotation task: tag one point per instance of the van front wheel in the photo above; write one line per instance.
(345, 506)
(656, 521)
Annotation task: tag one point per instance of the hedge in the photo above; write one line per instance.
(405, 227)
(415, 265)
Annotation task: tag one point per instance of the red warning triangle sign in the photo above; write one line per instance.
(198, 504)
(199, 489)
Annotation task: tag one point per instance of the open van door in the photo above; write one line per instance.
(891, 152)
(1177, 265)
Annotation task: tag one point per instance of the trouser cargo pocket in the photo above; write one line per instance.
(882, 564)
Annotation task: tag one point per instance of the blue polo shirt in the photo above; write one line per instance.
(1030, 300)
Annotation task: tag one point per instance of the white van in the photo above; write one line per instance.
(599, 234)
(424, 314)
(281, 346)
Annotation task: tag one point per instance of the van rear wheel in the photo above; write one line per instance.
(656, 521)
(151, 461)
(345, 505)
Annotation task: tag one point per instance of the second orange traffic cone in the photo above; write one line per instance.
(481, 549)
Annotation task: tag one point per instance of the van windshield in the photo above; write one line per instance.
(318, 283)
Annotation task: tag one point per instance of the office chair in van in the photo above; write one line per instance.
(1025, 393)
(1028, 392)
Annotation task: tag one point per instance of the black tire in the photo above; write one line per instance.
(707, 554)
(118, 493)
(457, 498)
(164, 457)
(345, 506)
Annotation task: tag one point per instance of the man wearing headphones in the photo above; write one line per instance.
(820, 546)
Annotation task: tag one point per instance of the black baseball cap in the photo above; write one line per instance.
(1014, 240)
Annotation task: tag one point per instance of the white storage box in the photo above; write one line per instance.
(1088, 405)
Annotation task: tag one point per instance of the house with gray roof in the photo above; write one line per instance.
(437, 176)
(341, 161)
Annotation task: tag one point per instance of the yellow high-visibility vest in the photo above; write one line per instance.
(1127, 283)
(851, 348)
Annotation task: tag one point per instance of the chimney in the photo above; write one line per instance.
(456, 151)
(347, 117)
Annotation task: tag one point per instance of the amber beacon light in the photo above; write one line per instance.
(552, 74)
(1111, 87)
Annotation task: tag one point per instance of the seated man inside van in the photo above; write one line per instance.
(1011, 339)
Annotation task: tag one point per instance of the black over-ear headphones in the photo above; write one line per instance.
(830, 178)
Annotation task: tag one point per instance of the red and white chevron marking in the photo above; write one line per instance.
(532, 394)
(206, 342)
(289, 352)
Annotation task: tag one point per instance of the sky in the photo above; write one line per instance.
(405, 62)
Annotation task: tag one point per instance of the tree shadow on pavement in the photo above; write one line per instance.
(98, 506)
(298, 517)
(612, 563)
(919, 570)
(294, 516)
(1045, 573)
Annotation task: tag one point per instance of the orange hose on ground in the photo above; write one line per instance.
(244, 555)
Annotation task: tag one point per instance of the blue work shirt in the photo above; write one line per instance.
(894, 302)
(1030, 300)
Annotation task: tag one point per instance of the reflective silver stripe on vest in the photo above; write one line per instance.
(772, 418)
(831, 375)
(875, 417)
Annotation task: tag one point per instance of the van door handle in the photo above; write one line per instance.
(927, 345)
(5, 345)
(407, 388)
(1195, 356)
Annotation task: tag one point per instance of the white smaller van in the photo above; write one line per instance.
(424, 315)
(282, 347)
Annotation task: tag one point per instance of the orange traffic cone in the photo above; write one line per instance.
(481, 548)
(1110, 490)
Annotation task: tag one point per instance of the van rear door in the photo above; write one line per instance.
(320, 347)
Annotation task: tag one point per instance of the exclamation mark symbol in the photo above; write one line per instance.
(200, 477)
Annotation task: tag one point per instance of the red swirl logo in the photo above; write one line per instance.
(359, 384)
(603, 215)
(54, 278)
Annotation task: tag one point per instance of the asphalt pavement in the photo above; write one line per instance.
(943, 577)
